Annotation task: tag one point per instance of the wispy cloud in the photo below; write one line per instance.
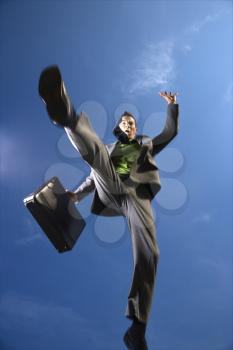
(32, 232)
(196, 28)
(155, 67)
(205, 217)
(187, 48)
(26, 240)
(200, 24)
(228, 96)
(7, 150)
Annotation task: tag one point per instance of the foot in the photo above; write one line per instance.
(133, 342)
(53, 93)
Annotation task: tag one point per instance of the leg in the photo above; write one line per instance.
(108, 184)
(145, 257)
(61, 112)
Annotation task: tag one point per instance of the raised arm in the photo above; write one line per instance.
(171, 126)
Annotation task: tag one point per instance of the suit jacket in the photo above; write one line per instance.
(144, 172)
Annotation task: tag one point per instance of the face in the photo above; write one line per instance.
(128, 125)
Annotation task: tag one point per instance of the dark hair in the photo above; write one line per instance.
(127, 114)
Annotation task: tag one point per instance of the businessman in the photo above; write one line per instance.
(125, 178)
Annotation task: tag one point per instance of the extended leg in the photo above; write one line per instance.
(61, 112)
(94, 152)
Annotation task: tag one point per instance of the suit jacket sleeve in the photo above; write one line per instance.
(170, 130)
(85, 188)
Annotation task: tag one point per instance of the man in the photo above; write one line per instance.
(125, 179)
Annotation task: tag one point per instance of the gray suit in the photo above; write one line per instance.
(130, 198)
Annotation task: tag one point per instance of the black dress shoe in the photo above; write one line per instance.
(53, 93)
(133, 342)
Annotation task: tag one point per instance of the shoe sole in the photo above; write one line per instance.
(50, 90)
(50, 81)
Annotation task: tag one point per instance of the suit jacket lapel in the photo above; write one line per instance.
(111, 147)
(139, 138)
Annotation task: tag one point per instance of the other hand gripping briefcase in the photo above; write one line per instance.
(56, 214)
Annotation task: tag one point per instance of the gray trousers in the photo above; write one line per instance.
(138, 212)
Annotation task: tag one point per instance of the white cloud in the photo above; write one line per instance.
(183, 41)
(197, 26)
(26, 240)
(155, 67)
(8, 148)
(205, 217)
(228, 96)
(187, 48)
(32, 232)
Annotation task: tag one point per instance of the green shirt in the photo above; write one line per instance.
(124, 156)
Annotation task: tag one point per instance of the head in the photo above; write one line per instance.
(128, 124)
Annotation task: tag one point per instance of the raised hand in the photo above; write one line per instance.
(170, 98)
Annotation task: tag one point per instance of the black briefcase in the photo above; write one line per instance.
(56, 214)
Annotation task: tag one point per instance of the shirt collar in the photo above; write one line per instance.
(134, 140)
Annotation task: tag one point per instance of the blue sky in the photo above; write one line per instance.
(117, 55)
